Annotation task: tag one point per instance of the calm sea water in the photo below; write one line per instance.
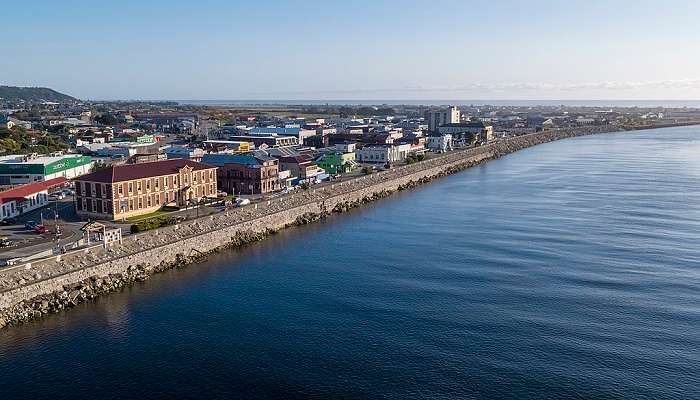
(568, 270)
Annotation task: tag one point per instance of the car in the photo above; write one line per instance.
(240, 202)
(5, 242)
(29, 225)
(69, 192)
(40, 229)
(57, 196)
(9, 221)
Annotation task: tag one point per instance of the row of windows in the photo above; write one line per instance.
(139, 186)
(140, 202)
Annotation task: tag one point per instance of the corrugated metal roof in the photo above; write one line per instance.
(120, 173)
(23, 191)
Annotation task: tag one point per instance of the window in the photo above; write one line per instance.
(149, 201)
(140, 203)
(121, 189)
(131, 187)
(138, 185)
(167, 197)
(148, 184)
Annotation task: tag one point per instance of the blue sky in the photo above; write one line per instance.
(437, 49)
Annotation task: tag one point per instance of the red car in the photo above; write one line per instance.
(40, 229)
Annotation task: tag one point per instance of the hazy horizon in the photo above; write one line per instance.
(408, 50)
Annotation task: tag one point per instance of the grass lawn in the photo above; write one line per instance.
(138, 218)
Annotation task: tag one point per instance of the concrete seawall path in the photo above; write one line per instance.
(35, 289)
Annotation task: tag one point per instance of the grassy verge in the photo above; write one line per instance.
(138, 218)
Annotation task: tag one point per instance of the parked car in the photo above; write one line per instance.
(40, 229)
(69, 192)
(9, 221)
(240, 202)
(57, 196)
(29, 225)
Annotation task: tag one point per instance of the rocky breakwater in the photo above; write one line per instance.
(58, 283)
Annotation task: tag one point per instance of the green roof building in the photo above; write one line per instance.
(23, 169)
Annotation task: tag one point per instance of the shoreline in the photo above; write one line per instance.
(52, 285)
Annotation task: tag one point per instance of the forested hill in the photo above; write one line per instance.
(33, 94)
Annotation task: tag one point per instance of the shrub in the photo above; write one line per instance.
(153, 223)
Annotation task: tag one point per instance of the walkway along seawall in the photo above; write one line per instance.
(32, 290)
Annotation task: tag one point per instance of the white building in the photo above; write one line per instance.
(382, 154)
(435, 118)
(440, 143)
(26, 198)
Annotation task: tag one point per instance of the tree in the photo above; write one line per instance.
(9, 145)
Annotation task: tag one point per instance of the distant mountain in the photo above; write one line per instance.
(33, 94)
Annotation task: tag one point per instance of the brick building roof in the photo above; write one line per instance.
(127, 172)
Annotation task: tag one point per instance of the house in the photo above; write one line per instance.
(336, 162)
(249, 173)
(25, 198)
(123, 191)
(10, 122)
(301, 166)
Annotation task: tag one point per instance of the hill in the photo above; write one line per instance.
(33, 94)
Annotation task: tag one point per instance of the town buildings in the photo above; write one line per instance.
(124, 191)
(248, 173)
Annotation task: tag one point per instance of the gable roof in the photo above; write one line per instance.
(121, 173)
(21, 192)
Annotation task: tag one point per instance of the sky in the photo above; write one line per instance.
(354, 49)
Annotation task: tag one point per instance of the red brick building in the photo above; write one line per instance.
(124, 191)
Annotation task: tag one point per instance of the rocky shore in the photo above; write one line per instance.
(320, 204)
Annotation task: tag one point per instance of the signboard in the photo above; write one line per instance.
(41, 169)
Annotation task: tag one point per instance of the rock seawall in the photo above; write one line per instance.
(30, 291)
